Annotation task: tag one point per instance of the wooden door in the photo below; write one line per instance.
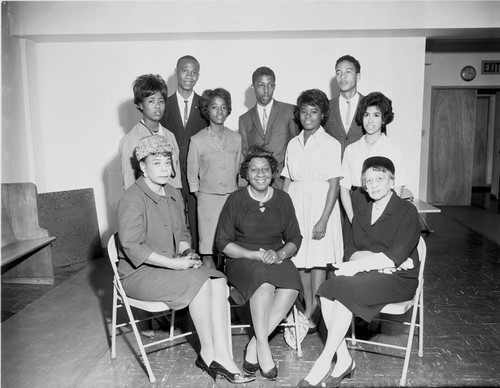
(451, 147)
(480, 164)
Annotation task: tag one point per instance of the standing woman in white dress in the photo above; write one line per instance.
(374, 114)
(312, 173)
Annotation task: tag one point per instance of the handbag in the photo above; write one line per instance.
(289, 332)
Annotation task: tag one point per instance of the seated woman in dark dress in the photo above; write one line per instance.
(258, 232)
(382, 268)
(159, 264)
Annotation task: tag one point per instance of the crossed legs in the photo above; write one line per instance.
(337, 319)
(209, 312)
(268, 306)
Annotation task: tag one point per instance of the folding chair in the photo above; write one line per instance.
(120, 299)
(401, 308)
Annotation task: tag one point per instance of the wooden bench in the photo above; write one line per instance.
(26, 250)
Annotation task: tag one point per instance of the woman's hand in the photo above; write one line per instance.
(270, 257)
(190, 261)
(319, 230)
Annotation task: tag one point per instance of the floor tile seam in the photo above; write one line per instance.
(87, 372)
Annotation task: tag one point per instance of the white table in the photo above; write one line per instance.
(422, 208)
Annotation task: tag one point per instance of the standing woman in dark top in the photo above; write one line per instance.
(259, 233)
(382, 268)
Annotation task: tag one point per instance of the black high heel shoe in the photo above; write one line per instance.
(248, 367)
(334, 381)
(200, 363)
(234, 378)
(271, 374)
(306, 384)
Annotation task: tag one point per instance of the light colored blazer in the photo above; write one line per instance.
(281, 127)
(211, 171)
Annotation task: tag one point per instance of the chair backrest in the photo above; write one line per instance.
(422, 255)
(113, 254)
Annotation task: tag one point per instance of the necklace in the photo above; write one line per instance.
(267, 197)
(219, 140)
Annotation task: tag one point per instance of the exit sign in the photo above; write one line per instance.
(490, 67)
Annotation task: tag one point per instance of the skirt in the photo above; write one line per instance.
(248, 275)
(366, 293)
(309, 198)
(209, 209)
(173, 287)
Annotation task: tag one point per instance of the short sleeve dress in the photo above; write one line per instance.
(396, 233)
(148, 222)
(244, 223)
(309, 167)
(356, 153)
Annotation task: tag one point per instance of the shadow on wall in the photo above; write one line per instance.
(250, 99)
(128, 116)
(334, 88)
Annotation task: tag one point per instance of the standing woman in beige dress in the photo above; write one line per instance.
(214, 158)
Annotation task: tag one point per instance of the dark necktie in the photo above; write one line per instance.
(186, 113)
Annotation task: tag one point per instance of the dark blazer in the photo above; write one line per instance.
(335, 127)
(172, 120)
(281, 127)
(395, 233)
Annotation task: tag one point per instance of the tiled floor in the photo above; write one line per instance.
(60, 340)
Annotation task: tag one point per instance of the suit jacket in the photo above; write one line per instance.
(281, 127)
(395, 233)
(335, 127)
(172, 120)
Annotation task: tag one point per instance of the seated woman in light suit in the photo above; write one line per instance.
(159, 264)
(382, 268)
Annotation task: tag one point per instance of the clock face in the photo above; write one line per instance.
(468, 73)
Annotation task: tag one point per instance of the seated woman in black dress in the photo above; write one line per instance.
(258, 232)
(159, 264)
(382, 268)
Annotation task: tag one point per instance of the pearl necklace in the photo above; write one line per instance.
(262, 201)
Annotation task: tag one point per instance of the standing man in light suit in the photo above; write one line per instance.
(183, 117)
(269, 123)
(341, 124)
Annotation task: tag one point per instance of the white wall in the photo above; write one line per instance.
(443, 70)
(85, 99)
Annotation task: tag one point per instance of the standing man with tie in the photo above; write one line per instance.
(183, 117)
(341, 124)
(269, 123)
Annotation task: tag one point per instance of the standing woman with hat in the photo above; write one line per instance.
(159, 264)
(382, 267)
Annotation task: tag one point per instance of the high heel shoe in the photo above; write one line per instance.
(334, 381)
(200, 363)
(248, 367)
(306, 384)
(271, 374)
(234, 378)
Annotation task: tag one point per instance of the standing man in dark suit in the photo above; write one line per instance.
(269, 123)
(341, 124)
(183, 117)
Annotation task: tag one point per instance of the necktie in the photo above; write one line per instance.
(264, 120)
(186, 113)
(348, 116)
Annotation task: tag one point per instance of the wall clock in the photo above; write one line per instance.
(468, 73)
